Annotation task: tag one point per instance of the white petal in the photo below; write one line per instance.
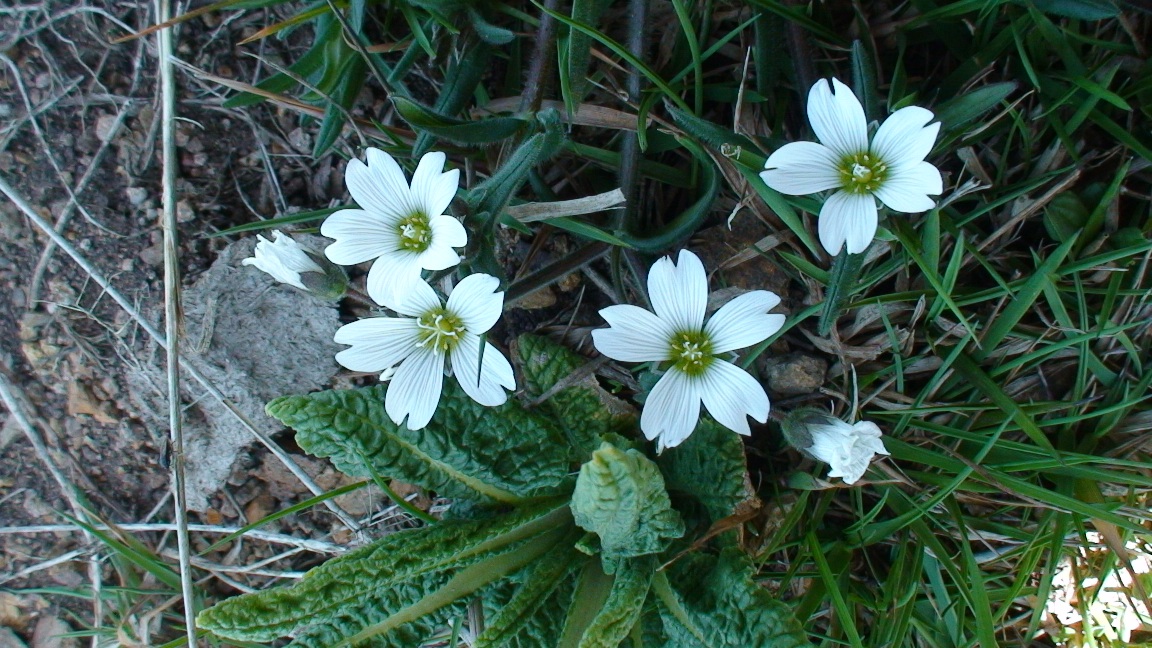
(744, 321)
(360, 236)
(415, 389)
(903, 137)
(380, 185)
(636, 335)
(671, 411)
(415, 298)
(731, 395)
(377, 342)
(837, 118)
(432, 188)
(476, 302)
(487, 388)
(906, 188)
(801, 168)
(447, 233)
(390, 276)
(679, 292)
(847, 218)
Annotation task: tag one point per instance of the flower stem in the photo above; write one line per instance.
(845, 273)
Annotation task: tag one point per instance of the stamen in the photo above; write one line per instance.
(862, 173)
(440, 330)
(691, 352)
(415, 233)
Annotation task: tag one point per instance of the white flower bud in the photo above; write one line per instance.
(291, 263)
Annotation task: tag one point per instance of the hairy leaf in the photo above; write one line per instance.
(530, 613)
(470, 451)
(347, 594)
(620, 497)
(709, 467)
(583, 409)
(621, 610)
(709, 602)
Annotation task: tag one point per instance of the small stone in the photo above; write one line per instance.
(9, 639)
(49, 633)
(537, 300)
(795, 374)
(184, 212)
(105, 128)
(152, 255)
(136, 195)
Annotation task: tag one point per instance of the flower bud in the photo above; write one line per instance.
(296, 265)
(846, 448)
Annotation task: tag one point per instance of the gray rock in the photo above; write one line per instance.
(256, 340)
(795, 373)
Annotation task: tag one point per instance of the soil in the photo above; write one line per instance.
(79, 141)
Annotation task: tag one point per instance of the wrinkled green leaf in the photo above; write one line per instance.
(712, 455)
(583, 410)
(467, 450)
(347, 594)
(620, 497)
(531, 616)
(713, 601)
(620, 611)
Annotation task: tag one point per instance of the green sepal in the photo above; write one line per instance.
(467, 450)
(711, 601)
(370, 585)
(620, 497)
(710, 468)
(584, 410)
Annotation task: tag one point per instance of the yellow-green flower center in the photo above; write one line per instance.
(691, 352)
(862, 173)
(440, 330)
(415, 233)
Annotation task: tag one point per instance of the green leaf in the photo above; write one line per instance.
(484, 131)
(605, 608)
(583, 410)
(467, 450)
(365, 587)
(957, 113)
(530, 614)
(1081, 9)
(493, 194)
(1064, 216)
(620, 497)
(709, 601)
(713, 456)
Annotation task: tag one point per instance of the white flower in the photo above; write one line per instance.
(846, 448)
(283, 258)
(891, 168)
(424, 342)
(404, 228)
(677, 333)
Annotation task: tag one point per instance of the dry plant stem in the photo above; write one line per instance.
(630, 149)
(316, 546)
(542, 59)
(172, 314)
(160, 339)
(20, 410)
